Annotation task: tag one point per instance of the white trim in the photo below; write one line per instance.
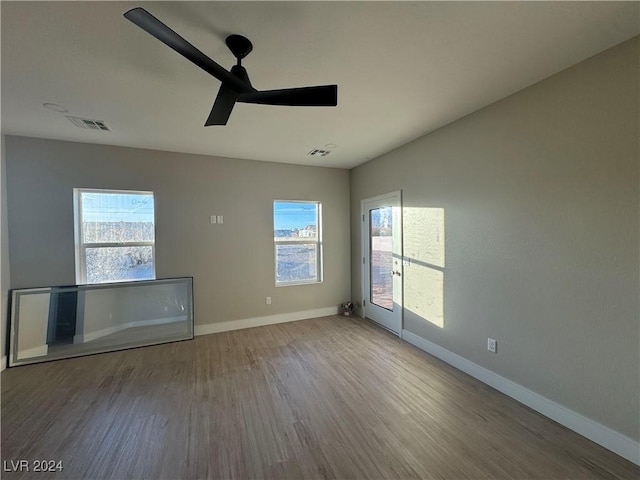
(88, 337)
(39, 351)
(261, 321)
(396, 195)
(81, 247)
(602, 435)
(3, 363)
(317, 241)
(157, 321)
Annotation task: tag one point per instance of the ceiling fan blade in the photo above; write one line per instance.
(155, 27)
(222, 107)
(320, 96)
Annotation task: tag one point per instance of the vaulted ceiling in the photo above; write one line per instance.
(402, 68)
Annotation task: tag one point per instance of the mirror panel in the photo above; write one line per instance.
(61, 322)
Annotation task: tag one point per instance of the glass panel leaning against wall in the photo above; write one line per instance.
(297, 237)
(114, 235)
(60, 322)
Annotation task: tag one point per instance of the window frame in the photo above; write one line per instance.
(81, 247)
(301, 241)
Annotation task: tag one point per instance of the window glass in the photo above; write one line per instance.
(297, 239)
(115, 236)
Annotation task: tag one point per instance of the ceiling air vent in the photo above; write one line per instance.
(89, 124)
(318, 152)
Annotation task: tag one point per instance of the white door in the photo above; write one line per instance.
(382, 260)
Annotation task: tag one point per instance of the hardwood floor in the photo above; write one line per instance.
(334, 397)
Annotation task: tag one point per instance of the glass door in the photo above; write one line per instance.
(382, 260)
(381, 257)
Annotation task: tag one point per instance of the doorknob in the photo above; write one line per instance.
(396, 273)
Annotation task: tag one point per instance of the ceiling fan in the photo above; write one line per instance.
(236, 86)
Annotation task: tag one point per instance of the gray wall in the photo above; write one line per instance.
(5, 279)
(540, 194)
(232, 264)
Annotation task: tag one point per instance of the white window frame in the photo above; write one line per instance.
(81, 247)
(304, 240)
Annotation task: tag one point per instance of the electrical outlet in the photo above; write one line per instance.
(267, 300)
(492, 345)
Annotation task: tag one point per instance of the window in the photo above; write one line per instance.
(115, 235)
(297, 236)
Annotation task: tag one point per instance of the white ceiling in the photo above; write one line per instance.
(402, 69)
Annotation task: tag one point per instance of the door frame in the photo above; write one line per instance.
(364, 248)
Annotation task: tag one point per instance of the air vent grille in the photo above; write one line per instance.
(89, 124)
(318, 152)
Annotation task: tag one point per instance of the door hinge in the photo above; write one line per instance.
(363, 302)
(363, 260)
(363, 217)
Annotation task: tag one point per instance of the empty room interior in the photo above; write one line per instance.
(302, 239)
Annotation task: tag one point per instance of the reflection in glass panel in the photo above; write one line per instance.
(297, 262)
(119, 263)
(60, 322)
(381, 261)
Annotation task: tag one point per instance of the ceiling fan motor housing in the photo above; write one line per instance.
(240, 46)
(240, 72)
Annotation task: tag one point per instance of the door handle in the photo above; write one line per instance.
(396, 273)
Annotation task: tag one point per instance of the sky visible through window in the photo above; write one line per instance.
(297, 243)
(117, 207)
(292, 215)
(116, 235)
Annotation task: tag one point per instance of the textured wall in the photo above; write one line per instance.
(232, 264)
(539, 193)
(5, 279)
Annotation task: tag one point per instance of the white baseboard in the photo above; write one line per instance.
(88, 337)
(103, 332)
(39, 351)
(157, 321)
(602, 435)
(3, 363)
(261, 321)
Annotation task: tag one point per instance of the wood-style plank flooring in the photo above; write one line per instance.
(334, 397)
